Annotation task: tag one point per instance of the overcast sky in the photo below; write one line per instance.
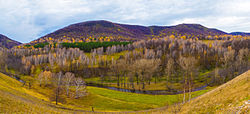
(27, 20)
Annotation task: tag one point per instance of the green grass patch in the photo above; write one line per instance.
(132, 101)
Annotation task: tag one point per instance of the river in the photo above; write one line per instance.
(151, 92)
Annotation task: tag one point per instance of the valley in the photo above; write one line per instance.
(105, 67)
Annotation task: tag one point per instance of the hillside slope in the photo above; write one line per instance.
(6, 42)
(16, 99)
(230, 97)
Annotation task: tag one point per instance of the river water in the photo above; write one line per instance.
(151, 92)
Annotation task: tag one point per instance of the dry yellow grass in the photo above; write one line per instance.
(16, 99)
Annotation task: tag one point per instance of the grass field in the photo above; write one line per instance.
(15, 98)
(138, 101)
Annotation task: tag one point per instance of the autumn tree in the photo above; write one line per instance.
(40, 79)
(47, 77)
(44, 78)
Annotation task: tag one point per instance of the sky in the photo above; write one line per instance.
(27, 20)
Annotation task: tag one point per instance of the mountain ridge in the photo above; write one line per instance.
(6, 42)
(240, 33)
(118, 31)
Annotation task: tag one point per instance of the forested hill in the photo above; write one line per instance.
(6, 42)
(192, 29)
(116, 31)
(240, 33)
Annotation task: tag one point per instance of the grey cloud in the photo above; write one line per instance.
(26, 20)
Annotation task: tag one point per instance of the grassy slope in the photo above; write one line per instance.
(227, 98)
(14, 98)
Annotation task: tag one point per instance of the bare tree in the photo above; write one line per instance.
(187, 63)
(228, 63)
(169, 69)
(58, 83)
(122, 68)
(68, 79)
(242, 60)
(80, 89)
(146, 67)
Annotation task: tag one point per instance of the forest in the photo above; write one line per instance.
(171, 64)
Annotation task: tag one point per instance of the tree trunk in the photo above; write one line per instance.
(143, 85)
(184, 89)
(118, 80)
(189, 92)
(29, 85)
(137, 80)
(57, 95)
(124, 81)
(190, 86)
(184, 95)
(67, 91)
(155, 79)
(167, 82)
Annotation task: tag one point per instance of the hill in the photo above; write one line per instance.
(16, 99)
(102, 28)
(192, 29)
(230, 97)
(7, 42)
(240, 33)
